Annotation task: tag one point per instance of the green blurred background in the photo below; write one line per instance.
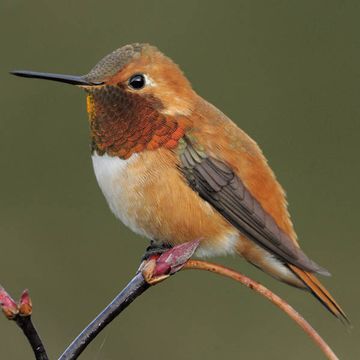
(286, 71)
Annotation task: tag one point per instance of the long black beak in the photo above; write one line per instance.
(68, 79)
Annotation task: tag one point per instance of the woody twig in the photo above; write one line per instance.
(20, 312)
(151, 272)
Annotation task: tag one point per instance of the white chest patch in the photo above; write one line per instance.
(112, 177)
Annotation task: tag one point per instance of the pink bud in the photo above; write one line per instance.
(25, 304)
(8, 305)
(176, 257)
(161, 268)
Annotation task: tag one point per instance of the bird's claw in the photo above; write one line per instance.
(154, 249)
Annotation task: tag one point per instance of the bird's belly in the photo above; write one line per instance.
(114, 182)
(147, 193)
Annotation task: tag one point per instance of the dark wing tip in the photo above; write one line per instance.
(323, 271)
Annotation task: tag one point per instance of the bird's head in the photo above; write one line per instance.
(137, 99)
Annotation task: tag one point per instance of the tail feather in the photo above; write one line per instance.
(319, 291)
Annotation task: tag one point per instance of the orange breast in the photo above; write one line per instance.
(149, 194)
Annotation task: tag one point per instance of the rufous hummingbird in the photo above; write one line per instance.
(174, 168)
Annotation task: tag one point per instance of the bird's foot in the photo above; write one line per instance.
(155, 249)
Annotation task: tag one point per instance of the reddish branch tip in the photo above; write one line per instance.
(11, 309)
(25, 304)
(8, 306)
(159, 268)
(174, 259)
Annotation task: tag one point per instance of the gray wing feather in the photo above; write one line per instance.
(217, 184)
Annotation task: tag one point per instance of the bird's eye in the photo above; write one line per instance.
(137, 81)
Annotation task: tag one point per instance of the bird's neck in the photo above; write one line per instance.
(123, 123)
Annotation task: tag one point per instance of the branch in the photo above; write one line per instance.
(276, 300)
(21, 313)
(151, 272)
(156, 270)
(132, 290)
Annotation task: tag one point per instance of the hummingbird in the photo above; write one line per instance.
(174, 168)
